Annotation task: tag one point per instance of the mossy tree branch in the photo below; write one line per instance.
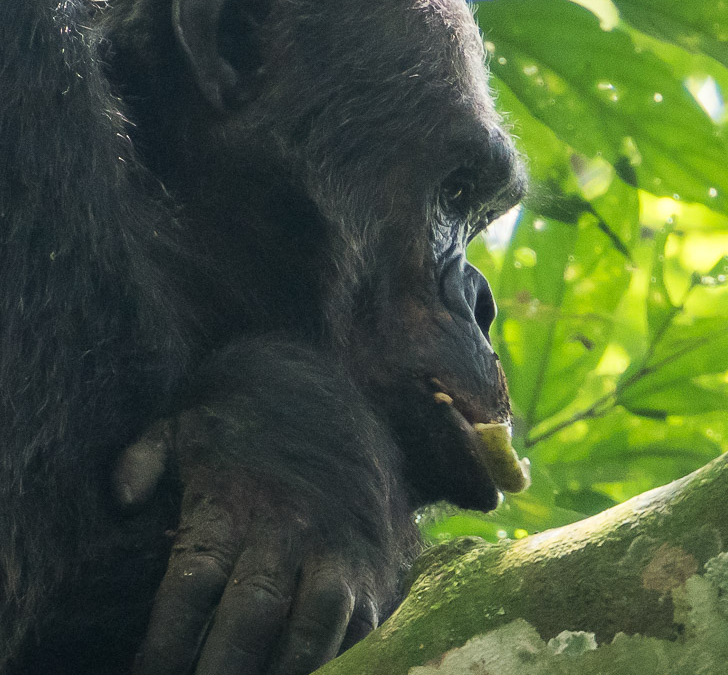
(617, 572)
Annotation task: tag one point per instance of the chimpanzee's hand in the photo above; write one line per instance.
(251, 576)
(292, 533)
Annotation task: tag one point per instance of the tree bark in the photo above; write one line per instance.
(645, 585)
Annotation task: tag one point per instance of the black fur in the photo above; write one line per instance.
(269, 256)
(94, 336)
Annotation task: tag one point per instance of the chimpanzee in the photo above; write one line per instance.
(239, 340)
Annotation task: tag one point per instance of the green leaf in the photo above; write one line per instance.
(676, 398)
(558, 285)
(621, 455)
(561, 188)
(717, 276)
(660, 310)
(584, 501)
(698, 348)
(605, 117)
(699, 26)
(669, 383)
(548, 155)
(605, 97)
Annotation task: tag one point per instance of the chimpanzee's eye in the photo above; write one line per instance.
(457, 194)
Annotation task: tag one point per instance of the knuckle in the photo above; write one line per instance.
(206, 569)
(260, 588)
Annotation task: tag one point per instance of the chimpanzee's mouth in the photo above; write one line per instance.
(493, 449)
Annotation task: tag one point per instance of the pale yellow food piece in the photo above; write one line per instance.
(508, 472)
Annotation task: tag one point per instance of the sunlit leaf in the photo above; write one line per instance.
(605, 97)
(695, 348)
(586, 501)
(717, 276)
(667, 383)
(559, 284)
(613, 327)
(621, 455)
(660, 310)
(698, 26)
(676, 398)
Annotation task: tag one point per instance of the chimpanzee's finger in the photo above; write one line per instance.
(182, 609)
(140, 466)
(363, 621)
(321, 612)
(253, 610)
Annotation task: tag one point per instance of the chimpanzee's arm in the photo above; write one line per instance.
(294, 525)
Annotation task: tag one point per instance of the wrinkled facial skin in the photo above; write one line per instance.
(372, 129)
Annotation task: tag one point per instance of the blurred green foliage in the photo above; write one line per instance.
(612, 287)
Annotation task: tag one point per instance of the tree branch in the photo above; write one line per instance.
(622, 571)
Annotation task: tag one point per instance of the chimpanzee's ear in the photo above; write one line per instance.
(220, 40)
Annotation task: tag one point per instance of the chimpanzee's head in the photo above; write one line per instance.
(368, 129)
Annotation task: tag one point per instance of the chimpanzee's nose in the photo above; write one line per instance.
(484, 307)
(467, 294)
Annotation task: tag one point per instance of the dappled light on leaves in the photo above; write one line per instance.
(613, 287)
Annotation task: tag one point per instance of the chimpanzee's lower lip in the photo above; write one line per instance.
(493, 449)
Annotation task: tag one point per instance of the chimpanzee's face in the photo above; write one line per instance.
(399, 145)
(378, 116)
